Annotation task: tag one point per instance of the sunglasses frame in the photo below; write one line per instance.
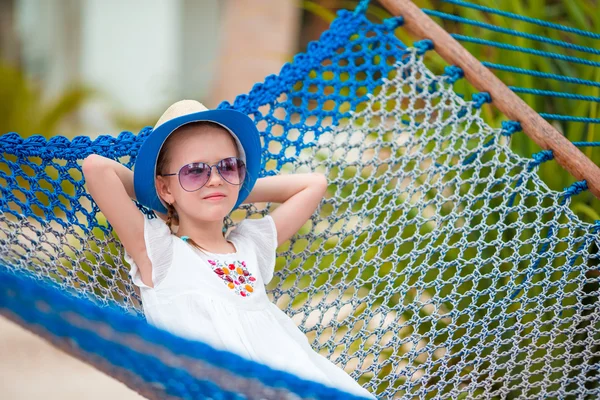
(209, 173)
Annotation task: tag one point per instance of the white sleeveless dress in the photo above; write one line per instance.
(220, 299)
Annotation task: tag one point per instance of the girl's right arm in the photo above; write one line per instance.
(111, 186)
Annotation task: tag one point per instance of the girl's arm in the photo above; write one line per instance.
(111, 186)
(299, 195)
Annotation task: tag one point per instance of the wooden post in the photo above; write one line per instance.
(537, 128)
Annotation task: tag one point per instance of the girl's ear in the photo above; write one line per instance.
(164, 192)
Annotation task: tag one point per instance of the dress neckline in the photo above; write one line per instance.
(229, 239)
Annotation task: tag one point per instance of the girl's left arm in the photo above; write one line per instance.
(299, 195)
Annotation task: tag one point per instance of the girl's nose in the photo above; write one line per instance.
(214, 176)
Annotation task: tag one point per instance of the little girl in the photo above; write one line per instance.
(195, 282)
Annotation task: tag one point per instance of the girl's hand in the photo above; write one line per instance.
(299, 195)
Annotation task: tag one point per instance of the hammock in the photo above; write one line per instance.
(439, 265)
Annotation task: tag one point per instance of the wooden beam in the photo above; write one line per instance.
(537, 128)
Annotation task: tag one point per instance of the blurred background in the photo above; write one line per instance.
(94, 66)
(91, 67)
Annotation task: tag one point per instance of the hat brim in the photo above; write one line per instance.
(144, 174)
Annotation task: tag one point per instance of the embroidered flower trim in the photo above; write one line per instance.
(235, 275)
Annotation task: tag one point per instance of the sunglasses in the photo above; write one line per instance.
(194, 176)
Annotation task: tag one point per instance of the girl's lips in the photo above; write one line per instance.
(214, 198)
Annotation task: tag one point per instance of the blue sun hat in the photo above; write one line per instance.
(239, 125)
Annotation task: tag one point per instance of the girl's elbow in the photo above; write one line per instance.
(94, 164)
(90, 163)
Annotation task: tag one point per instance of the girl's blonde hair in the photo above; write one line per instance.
(161, 165)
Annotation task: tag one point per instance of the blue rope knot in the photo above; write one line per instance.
(479, 99)
(510, 127)
(423, 46)
(393, 22)
(596, 227)
(542, 156)
(576, 188)
(454, 72)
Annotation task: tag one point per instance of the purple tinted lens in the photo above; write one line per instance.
(193, 176)
(233, 170)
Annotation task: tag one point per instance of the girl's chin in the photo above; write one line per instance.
(218, 203)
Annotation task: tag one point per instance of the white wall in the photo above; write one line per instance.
(141, 55)
(49, 32)
(131, 49)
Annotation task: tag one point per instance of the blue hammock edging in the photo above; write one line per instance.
(43, 305)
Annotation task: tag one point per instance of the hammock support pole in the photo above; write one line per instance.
(537, 128)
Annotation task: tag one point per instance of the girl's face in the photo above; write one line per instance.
(208, 144)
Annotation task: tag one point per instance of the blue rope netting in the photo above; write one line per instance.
(512, 32)
(518, 17)
(541, 75)
(439, 265)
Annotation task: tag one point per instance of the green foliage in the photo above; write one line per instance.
(23, 110)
